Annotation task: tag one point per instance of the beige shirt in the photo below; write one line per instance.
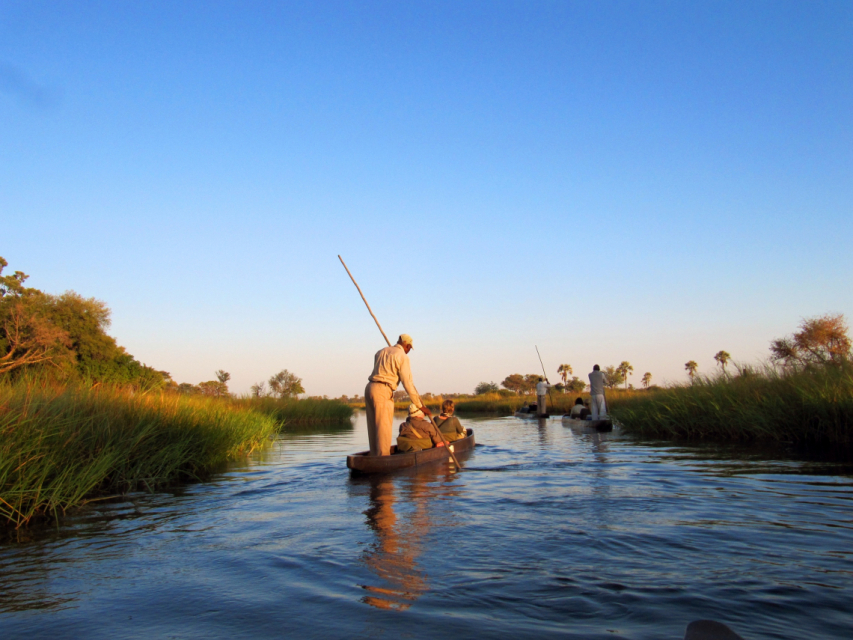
(391, 366)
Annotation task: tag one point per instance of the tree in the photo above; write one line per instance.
(647, 378)
(530, 382)
(691, 367)
(820, 341)
(259, 390)
(213, 388)
(514, 383)
(565, 370)
(613, 377)
(625, 369)
(576, 385)
(285, 385)
(485, 387)
(722, 358)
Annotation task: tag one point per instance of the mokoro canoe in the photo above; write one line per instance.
(588, 425)
(363, 462)
(529, 414)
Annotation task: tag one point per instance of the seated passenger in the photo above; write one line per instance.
(448, 423)
(417, 433)
(579, 410)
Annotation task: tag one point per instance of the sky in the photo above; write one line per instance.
(608, 181)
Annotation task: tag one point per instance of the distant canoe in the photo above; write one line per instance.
(521, 413)
(363, 462)
(588, 425)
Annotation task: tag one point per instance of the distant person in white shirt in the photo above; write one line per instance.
(596, 394)
(541, 390)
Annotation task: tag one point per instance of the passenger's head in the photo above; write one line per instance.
(579, 401)
(415, 411)
(596, 368)
(447, 406)
(405, 341)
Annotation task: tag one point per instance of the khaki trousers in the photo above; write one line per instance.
(541, 405)
(379, 405)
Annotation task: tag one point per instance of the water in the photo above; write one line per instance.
(551, 533)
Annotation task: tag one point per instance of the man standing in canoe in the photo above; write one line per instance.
(541, 389)
(390, 368)
(596, 394)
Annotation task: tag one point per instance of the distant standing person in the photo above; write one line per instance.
(390, 368)
(541, 391)
(596, 394)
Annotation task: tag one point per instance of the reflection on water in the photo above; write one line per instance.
(549, 532)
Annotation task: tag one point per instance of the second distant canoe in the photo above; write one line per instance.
(588, 425)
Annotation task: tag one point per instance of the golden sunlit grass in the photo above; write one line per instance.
(63, 446)
(805, 406)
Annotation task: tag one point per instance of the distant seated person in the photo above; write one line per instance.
(417, 433)
(448, 423)
(579, 410)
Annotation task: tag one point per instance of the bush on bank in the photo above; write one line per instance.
(64, 446)
(806, 405)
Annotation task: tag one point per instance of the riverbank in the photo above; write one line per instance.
(803, 407)
(64, 446)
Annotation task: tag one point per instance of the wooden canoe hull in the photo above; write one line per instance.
(532, 415)
(363, 462)
(588, 425)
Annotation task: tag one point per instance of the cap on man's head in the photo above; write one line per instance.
(406, 339)
(415, 411)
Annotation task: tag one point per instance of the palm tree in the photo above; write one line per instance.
(722, 359)
(647, 378)
(565, 370)
(691, 367)
(625, 369)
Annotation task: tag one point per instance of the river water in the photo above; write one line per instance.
(548, 533)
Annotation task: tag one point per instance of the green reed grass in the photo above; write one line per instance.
(307, 412)
(808, 407)
(64, 446)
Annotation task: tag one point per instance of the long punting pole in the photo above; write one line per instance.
(440, 434)
(546, 376)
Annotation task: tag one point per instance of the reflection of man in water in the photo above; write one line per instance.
(392, 556)
(399, 538)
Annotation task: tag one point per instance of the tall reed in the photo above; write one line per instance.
(64, 446)
(310, 411)
(812, 406)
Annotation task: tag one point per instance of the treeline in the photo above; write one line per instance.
(517, 383)
(63, 337)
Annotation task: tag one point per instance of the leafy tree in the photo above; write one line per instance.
(565, 370)
(514, 383)
(485, 387)
(213, 388)
(530, 382)
(613, 377)
(285, 385)
(576, 385)
(625, 369)
(28, 337)
(722, 358)
(259, 390)
(647, 379)
(820, 341)
(691, 367)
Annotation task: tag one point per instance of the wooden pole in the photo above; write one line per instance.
(365, 301)
(545, 374)
(435, 426)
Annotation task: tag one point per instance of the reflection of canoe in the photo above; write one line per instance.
(363, 462)
(588, 425)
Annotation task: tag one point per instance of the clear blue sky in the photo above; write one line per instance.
(642, 181)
